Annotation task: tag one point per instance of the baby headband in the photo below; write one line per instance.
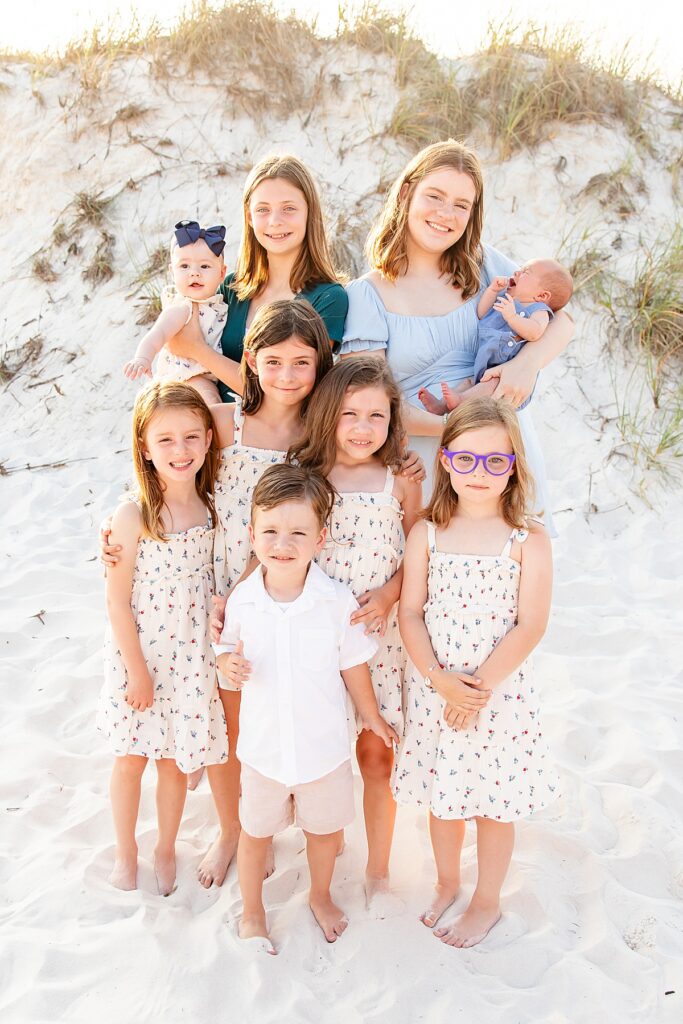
(189, 231)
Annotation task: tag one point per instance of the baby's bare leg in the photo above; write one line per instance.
(207, 388)
(251, 866)
(447, 838)
(322, 853)
(495, 841)
(171, 793)
(124, 790)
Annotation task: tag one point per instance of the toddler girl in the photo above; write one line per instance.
(160, 698)
(353, 437)
(474, 604)
(198, 269)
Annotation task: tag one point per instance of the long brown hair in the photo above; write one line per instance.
(152, 399)
(276, 322)
(313, 264)
(517, 499)
(318, 451)
(386, 245)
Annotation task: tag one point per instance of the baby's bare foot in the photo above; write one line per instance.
(333, 921)
(194, 778)
(451, 398)
(431, 403)
(471, 927)
(270, 861)
(253, 929)
(125, 871)
(217, 860)
(444, 896)
(164, 870)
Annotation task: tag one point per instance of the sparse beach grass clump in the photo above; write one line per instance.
(101, 267)
(42, 269)
(15, 360)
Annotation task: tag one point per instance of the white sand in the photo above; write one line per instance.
(593, 925)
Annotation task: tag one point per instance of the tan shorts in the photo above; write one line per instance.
(321, 807)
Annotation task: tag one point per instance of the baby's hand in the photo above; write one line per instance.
(217, 619)
(505, 305)
(373, 612)
(382, 729)
(138, 367)
(140, 692)
(499, 284)
(234, 667)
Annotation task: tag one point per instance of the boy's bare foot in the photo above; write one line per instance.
(444, 896)
(125, 871)
(253, 929)
(451, 397)
(471, 927)
(379, 899)
(431, 404)
(215, 863)
(194, 778)
(333, 921)
(164, 870)
(270, 862)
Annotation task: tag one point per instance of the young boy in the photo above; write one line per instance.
(532, 297)
(288, 644)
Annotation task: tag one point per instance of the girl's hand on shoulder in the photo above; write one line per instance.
(217, 620)
(110, 554)
(413, 467)
(382, 729)
(235, 666)
(374, 611)
(138, 367)
(140, 692)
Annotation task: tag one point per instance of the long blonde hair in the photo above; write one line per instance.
(150, 491)
(313, 264)
(517, 499)
(386, 245)
(276, 322)
(318, 450)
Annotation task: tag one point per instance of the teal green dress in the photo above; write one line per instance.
(329, 300)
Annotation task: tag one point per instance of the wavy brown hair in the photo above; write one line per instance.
(386, 245)
(318, 451)
(158, 396)
(518, 497)
(313, 264)
(276, 322)
(282, 483)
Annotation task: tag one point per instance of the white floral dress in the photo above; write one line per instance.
(213, 314)
(240, 469)
(499, 766)
(170, 599)
(364, 548)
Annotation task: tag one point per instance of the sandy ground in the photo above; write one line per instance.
(593, 924)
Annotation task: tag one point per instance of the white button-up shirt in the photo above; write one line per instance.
(293, 719)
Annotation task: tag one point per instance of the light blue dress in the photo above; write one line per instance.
(422, 351)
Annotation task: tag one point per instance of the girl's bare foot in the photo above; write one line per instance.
(215, 863)
(125, 871)
(451, 398)
(471, 927)
(164, 870)
(253, 929)
(333, 921)
(431, 404)
(444, 896)
(194, 778)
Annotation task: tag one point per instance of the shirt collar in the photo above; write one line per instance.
(318, 587)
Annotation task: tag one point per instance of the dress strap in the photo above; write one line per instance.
(519, 535)
(389, 481)
(431, 537)
(238, 421)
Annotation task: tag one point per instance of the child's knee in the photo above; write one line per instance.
(375, 761)
(130, 766)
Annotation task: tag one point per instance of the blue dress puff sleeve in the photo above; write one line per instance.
(366, 324)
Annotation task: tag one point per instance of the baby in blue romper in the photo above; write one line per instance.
(530, 299)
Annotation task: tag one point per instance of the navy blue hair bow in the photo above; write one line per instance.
(189, 231)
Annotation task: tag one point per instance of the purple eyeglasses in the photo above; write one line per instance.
(495, 463)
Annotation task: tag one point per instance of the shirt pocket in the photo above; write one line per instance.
(317, 648)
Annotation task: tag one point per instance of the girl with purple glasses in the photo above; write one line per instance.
(474, 604)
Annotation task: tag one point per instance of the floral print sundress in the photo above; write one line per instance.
(170, 599)
(499, 767)
(364, 548)
(240, 469)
